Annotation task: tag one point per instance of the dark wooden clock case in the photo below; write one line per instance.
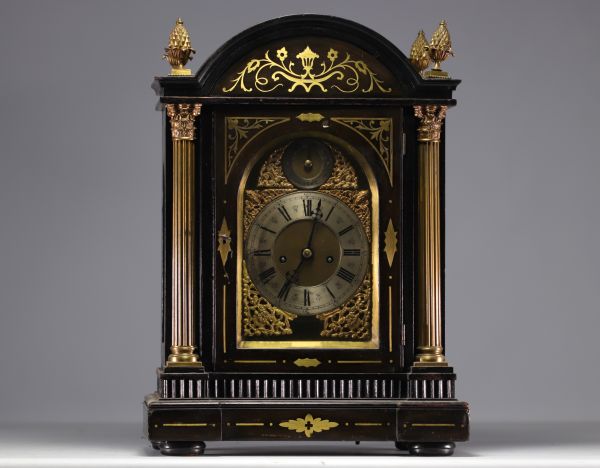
(370, 394)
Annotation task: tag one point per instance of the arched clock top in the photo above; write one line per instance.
(309, 56)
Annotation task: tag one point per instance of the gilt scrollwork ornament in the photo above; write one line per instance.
(431, 119)
(269, 73)
(353, 319)
(309, 425)
(259, 316)
(183, 118)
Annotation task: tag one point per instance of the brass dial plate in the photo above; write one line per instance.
(307, 252)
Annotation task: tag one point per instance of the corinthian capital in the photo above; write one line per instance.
(182, 120)
(431, 119)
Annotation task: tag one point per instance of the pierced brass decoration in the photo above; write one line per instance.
(391, 240)
(182, 117)
(179, 51)
(378, 133)
(239, 131)
(259, 317)
(431, 119)
(439, 49)
(310, 117)
(419, 56)
(353, 319)
(307, 362)
(224, 241)
(309, 425)
(271, 173)
(343, 175)
(346, 76)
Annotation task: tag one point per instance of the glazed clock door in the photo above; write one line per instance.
(306, 275)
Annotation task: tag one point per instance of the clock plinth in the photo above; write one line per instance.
(303, 245)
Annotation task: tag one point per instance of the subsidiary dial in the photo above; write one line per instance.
(307, 163)
(307, 252)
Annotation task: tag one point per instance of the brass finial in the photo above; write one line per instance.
(439, 48)
(418, 52)
(180, 50)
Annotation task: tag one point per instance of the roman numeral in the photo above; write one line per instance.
(266, 229)
(352, 252)
(284, 291)
(267, 275)
(284, 213)
(306, 298)
(261, 253)
(329, 214)
(307, 207)
(346, 230)
(345, 275)
(330, 293)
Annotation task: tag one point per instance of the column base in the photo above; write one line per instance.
(429, 356)
(183, 356)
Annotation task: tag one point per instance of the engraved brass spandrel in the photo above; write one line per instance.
(343, 175)
(271, 173)
(239, 131)
(309, 425)
(259, 317)
(378, 132)
(277, 70)
(352, 319)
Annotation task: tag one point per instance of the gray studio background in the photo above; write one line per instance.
(80, 198)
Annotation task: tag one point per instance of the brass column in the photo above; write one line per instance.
(183, 346)
(429, 304)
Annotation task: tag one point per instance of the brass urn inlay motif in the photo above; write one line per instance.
(345, 75)
(309, 425)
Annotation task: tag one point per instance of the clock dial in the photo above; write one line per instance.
(307, 252)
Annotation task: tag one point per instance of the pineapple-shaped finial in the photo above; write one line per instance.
(440, 47)
(180, 50)
(418, 52)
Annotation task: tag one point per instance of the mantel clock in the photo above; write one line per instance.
(303, 241)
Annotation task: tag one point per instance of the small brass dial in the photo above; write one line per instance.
(307, 252)
(307, 163)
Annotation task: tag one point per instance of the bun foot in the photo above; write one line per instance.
(181, 448)
(431, 449)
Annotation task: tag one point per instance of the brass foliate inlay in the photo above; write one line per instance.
(419, 56)
(330, 72)
(224, 241)
(439, 49)
(183, 118)
(309, 425)
(431, 119)
(391, 241)
(307, 362)
(180, 50)
(310, 117)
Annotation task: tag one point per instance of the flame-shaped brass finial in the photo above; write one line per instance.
(440, 47)
(180, 50)
(418, 52)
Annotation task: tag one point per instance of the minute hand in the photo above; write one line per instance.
(316, 217)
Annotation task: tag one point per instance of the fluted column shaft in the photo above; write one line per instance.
(183, 345)
(430, 351)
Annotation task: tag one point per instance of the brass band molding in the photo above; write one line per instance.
(183, 346)
(429, 312)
